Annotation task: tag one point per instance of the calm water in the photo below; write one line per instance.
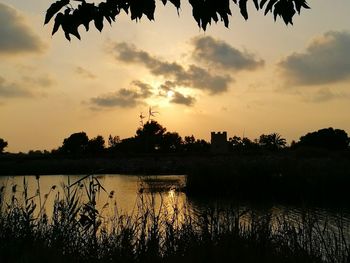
(165, 190)
(126, 189)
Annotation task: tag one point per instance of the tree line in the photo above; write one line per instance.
(326, 139)
(152, 137)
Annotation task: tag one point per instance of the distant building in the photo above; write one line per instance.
(219, 142)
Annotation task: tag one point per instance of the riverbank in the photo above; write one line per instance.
(53, 165)
(157, 164)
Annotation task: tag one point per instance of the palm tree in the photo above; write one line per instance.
(278, 141)
(273, 141)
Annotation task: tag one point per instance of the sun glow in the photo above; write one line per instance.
(170, 94)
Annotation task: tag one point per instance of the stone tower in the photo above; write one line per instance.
(219, 142)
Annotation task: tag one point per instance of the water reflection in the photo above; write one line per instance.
(125, 194)
(120, 192)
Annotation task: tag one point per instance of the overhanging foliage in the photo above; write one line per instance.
(203, 11)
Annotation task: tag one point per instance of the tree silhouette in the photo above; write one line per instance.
(149, 136)
(113, 141)
(171, 142)
(3, 145)
(189, 140)
(204, 12)
(75, 143)
(190, 144)
(96, 145)
(237, 143)
(272, 141)
(331, 139)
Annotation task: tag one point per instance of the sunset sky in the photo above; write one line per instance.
(256, 77)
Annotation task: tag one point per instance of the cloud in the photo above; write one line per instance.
(84, 73)
(219, 53)
(166, 87)
(168, 90)
(179, 98)
(194, 77)
(43, 81)
(326, 60)
(15, 35)
(144, 88)
(26, 87)
(124, 98)
(13, 90)
(325, 95)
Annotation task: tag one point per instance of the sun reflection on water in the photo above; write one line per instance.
(171, 193)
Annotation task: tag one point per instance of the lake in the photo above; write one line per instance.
(165, 190)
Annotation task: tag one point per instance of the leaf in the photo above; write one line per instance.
(262, 3)
(75, 32)
(58, 23)
(109, 11)
(54, 8)
(243, 8)
(135, 10)
(215, 18)
(226, 21)
(149, 8)
(70, 25)
(98, 20)
(256, 3)
(299, 4)
(176, 3)
(288, 13)
(196, 11)
(86, 14)
(284, 9)
(305, 5)
(125, 5)
(270, 6)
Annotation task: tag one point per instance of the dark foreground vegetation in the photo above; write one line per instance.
(78, 231)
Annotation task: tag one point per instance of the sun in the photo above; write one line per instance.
(170, 94)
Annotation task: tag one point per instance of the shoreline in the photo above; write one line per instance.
(167, 164)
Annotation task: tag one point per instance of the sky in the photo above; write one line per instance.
(255, 77)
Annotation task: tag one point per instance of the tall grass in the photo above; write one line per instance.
(79, 231)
